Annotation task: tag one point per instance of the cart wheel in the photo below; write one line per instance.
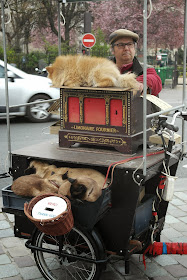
(55, 267)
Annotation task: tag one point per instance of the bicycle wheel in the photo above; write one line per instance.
(55, 267)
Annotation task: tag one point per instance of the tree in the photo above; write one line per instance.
(73, 14)
(101, 48)
(38, 19)
(110, 15)
(22, 15)
(165, 25)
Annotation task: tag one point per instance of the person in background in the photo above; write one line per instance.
(123, 43)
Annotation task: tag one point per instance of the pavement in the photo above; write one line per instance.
(17, 262)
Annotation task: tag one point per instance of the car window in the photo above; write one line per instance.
(2, 72)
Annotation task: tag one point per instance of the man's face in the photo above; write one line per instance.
(124, 54)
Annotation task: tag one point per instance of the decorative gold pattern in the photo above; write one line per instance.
(124, 112)
(95, 139)
(81, 100)
(107, 104)
(129, 113)
(65, 107)
(95, 129)
(62, 123)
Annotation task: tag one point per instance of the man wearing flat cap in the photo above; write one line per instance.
(123, 47)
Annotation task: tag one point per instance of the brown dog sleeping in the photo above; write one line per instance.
(65, 181)
(33, 185)
(82, 188)
(44, 170)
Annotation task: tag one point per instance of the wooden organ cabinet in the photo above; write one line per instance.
(108, 117)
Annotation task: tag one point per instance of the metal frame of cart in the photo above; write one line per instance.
(145, 116)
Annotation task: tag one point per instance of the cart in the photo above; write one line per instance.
(129, 215)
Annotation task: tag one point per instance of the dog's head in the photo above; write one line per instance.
(82, 188)
(50, 70)
(85, 188)
(40, 168)
(56, 68)
(32, 168)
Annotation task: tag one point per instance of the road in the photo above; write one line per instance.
(23, 133)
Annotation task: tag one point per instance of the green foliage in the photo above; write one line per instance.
(51, 51)
(1, 53)
(12, 57)
(30, 61)
(66, 49)
(180, 62)
(180, 56)
(27, 63)
(180, 70)
(101, 48)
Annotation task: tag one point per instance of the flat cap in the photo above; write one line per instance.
(120, 33)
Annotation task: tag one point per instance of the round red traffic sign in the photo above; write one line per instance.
(88, 40)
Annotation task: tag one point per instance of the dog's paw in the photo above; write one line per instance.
(129, 81)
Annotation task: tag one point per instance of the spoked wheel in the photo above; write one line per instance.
(56, 267)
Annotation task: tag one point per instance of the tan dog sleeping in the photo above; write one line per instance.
(66, 181)
(82, 188)
(33, 185)
(44, 170)
(77, 71)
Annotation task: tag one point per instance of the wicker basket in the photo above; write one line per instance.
(56, 226)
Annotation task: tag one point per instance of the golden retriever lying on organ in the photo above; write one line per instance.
(77, 71)
(66, 181)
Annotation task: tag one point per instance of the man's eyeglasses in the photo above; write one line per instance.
(123, 45)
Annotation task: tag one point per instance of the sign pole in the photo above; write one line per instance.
(87, 27)
(87, 22)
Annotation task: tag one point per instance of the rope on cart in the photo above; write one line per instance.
(160, 248)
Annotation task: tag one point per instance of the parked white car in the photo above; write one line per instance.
(24, 88)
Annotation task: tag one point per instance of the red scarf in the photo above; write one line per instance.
(126, 67)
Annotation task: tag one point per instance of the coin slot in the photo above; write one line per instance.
(49, 209)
